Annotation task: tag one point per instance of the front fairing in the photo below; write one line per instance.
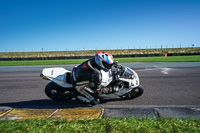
(130, 76)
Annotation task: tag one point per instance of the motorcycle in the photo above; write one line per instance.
(123, 80)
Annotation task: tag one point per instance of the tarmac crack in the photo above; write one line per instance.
(156, 112)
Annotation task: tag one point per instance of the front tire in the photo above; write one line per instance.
(136, 92)
(57, 92)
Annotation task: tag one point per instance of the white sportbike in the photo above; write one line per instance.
(124, 81)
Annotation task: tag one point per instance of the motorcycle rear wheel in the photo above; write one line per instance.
(134, 93)
(58, 93)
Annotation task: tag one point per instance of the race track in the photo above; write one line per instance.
(168, 84)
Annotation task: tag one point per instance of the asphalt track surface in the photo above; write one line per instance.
(166, 84)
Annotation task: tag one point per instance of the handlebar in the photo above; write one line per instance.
(118, 71)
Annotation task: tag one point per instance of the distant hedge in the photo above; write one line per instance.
(17, 56)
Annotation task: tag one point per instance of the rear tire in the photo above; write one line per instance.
(57, 92)
(136, 92)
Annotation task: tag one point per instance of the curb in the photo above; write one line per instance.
(69, 114)
(91, 113)
(156, 112)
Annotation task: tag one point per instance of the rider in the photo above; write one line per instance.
(86, 77)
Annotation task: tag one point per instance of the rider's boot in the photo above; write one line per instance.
(90, 95)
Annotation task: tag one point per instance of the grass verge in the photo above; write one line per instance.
(195, 58)
(151, 125)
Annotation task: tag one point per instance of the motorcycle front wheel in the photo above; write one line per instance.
(136, 92)
(58, 93)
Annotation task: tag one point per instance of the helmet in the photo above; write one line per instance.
(104, 60)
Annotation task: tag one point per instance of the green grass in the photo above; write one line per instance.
(121, 125)
(41, 62)
(195, 58)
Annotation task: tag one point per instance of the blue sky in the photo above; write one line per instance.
(33, 25)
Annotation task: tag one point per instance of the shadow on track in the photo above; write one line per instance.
(48, 103)
(44, 104)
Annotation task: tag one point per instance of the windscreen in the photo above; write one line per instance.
(128, 73)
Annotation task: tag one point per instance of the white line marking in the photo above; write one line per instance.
(53, 113)
(162, 70)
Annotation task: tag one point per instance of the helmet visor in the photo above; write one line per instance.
(107, 65)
